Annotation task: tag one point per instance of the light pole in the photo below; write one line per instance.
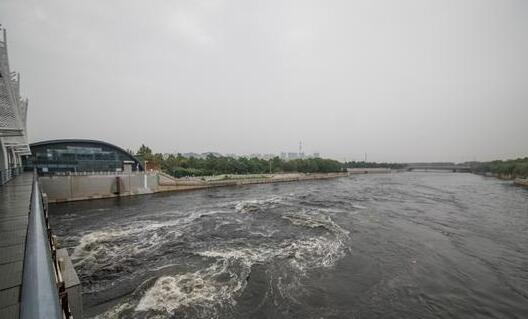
(145, 182)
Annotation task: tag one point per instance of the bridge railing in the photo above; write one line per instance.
(99, 173)
(43, 294)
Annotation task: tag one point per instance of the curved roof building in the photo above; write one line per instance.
(78, 155)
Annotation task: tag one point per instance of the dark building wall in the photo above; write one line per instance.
(78, 156)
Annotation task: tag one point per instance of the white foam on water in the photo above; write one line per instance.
(219, 284)
(302, 220)
(115, 311)
(263, 233)
(185, 290)
(113, 245)
(315, 220)
(315, 253)
(247, 256)
(209, 289)
(249, 206)
(99, 247)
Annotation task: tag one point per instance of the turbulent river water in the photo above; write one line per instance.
(408, 245)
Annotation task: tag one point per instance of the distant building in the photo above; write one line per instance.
(268, 156)
(77, 155)
(261, 156)
(293, 155)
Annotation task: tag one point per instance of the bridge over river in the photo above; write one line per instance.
(438, 166)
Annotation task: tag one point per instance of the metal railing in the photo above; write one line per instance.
(43, 292)
(99, 173)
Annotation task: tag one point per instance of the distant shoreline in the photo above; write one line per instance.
(517, 181)
(523, 182)
(168, 183)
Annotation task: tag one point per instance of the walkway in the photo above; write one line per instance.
(15, 198)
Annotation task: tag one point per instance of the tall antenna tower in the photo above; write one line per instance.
(300, 149)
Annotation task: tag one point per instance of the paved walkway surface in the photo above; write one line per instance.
(15, 198)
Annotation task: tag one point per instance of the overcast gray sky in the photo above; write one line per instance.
(401, 80)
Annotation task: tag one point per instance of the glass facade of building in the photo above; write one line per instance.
(78, 156)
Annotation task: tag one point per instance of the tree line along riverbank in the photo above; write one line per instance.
(508, 169)
(178, 165)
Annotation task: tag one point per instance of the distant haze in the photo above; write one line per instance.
(400, 80)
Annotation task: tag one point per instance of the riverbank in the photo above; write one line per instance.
(506, 177)
(169, 183)
(521, 182)
(85, 186)
(366, 170)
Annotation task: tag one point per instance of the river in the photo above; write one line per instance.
(406, 245)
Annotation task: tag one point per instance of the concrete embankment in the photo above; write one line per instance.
(232, 180)
(516, 180)
(366, 170)
(75, 187)
(521, 182)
